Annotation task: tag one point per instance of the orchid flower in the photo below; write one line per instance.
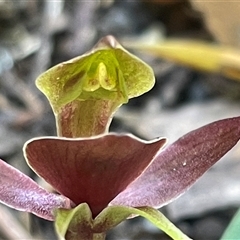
(103, 178)
(109, 184)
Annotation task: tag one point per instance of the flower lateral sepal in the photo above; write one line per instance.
(20, 192)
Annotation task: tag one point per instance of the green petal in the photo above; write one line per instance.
(79, 220)
(84, 92)
(76, 224)
(113, 215)
(160, 221)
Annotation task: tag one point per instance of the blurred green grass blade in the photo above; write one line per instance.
(233, 230)
(199, 55)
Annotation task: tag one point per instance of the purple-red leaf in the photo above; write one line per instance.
(20, 192)
(177, 167)
(92, 170)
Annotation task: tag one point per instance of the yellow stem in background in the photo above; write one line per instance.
(200, 55)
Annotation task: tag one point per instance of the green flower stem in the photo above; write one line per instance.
(94, 236)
